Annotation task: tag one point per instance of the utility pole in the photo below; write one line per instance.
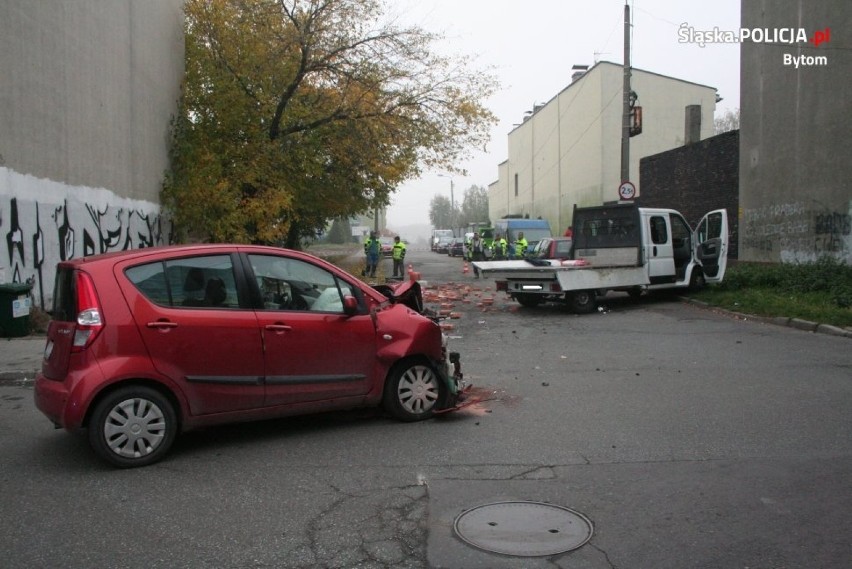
(625, 109)
(452, 207)
(452, 204)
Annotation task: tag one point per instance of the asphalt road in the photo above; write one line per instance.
(688, 438)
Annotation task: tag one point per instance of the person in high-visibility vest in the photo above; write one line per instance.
(372, 249)
(520, 246)
(476, 252)
(398, 257)
(500, 246)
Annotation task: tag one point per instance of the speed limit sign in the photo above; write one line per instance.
(627, 191)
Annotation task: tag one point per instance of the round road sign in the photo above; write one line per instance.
(626, 191)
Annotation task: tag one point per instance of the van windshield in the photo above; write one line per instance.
(531, 234)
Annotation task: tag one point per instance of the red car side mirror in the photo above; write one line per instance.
(350, 305)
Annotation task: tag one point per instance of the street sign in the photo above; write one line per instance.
(626, 191)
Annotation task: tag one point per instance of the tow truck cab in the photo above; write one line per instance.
(661, 239)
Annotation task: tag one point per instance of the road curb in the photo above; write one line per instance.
(797, 323)
(17, 377)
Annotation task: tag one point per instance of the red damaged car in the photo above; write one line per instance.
(147, 343)
(552, 248)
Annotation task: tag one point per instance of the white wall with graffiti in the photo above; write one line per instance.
(43, 222)
(795, 177)
(799, 231)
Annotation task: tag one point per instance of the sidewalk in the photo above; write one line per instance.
(20, 358)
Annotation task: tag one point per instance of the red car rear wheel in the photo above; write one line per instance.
(133, 426)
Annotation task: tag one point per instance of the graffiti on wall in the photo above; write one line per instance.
(797, 232)
(831, 230)
(41, 231)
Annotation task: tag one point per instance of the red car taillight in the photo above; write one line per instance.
(89, 316)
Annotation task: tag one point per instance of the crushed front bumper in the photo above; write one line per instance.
(458, 388)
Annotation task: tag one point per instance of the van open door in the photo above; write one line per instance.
(711, 244)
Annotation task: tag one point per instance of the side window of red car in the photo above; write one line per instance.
(293, 284)
(192, 281)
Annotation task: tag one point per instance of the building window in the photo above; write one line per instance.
(516, 185)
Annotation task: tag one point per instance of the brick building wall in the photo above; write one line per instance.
(695, 179)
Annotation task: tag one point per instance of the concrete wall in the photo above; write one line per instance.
(795, 173)
(569, 150)
(88, 91)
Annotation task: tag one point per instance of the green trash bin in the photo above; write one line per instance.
(15, 305)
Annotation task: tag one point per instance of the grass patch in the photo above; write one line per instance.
(350, 258)
(340, 255)
(820, 291)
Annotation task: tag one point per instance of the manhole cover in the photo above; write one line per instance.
(523, 529)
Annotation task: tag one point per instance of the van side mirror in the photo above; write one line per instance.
(350, 305)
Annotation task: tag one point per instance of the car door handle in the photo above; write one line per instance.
(278, 328)
(162, 325)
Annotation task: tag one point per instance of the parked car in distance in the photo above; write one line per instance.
(436, 235)
(552, 248)
(149, 342)
(456, 247)
(387, 246)
(443, 244)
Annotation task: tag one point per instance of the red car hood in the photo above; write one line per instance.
(408, 293)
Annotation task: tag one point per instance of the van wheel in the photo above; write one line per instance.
(413, 391)
(134, 426)
(528, 300)
(582, 301)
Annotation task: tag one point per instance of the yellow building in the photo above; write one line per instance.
(568, 151)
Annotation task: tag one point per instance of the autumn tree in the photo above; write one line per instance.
(297, 111)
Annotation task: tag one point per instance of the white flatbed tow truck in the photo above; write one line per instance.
(623, 248)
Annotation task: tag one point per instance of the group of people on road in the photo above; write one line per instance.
(502, 250)
(373, 250)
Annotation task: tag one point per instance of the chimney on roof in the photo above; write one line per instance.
(692, 125)
(578, 71)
